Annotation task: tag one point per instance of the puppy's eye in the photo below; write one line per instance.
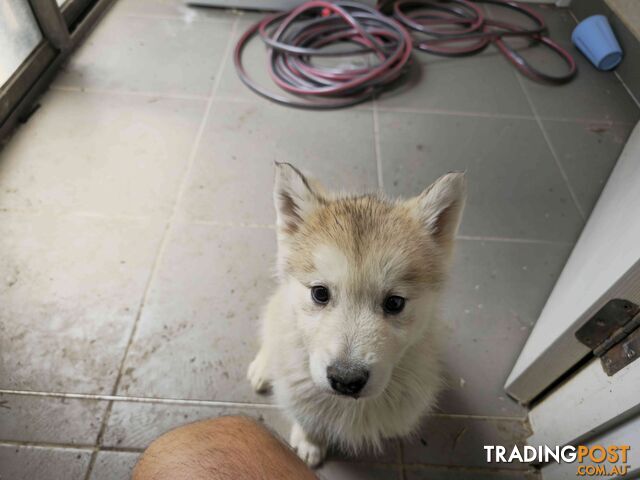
(393, 305)
(320, 294)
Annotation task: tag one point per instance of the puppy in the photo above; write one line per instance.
(350, 337)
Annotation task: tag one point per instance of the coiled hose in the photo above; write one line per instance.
(459, 27)
(297, 39)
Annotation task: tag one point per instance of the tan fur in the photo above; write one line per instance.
(363, 249)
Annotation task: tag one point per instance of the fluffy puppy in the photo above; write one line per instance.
(350, 336)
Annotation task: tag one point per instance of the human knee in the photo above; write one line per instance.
(197, 449)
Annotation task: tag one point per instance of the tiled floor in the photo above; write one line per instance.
(137, 241)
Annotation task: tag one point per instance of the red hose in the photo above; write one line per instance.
(470, 32)
(442, 27)
(296, 38)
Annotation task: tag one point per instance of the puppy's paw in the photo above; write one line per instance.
(257, 374)
(310, 452)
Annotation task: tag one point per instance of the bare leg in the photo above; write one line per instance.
(225, 448)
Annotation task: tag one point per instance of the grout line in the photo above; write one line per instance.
(104, 91)
(626, 87)
(505, 116)
(476, 417)
(101, 432)
(163, 242)
(268, 226)
(376, 143)
(215, 223)
(78, 214)
(427, 111)
(103, 216)
(225, 57)
(554, 154)
(214, 403)
(71, 446)
(185, 18)
(363, 107)
(403, 472)
(512, 240)
(131, 399)
(585, 121)
(74, 446)
(453, 113)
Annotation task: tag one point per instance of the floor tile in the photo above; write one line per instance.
(59, 313)
(459, 441)
(446, 86)
(114, 465)
(587, 153)
(163, 56)
(35, 463)
(559, 21)
(136, 425)
(172, 8)
(435, 473)
(88, 152)
(591, 96)
(495, 294)
(356, 471)
(232, 179)
(197, 331)
(27, 418)
(514, 192)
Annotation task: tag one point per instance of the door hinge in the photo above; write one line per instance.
(613, 334)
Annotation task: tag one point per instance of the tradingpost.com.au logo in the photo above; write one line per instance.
(592, 461)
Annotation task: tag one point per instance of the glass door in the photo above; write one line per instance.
(35, 38)
(19, 36)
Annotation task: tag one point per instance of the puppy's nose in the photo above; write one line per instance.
(347, 379)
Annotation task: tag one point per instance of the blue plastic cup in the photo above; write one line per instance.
(595, 39)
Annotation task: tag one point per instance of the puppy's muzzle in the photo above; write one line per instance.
(346, 378)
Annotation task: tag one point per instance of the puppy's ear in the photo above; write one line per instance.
(295, 197)
(440, 207)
